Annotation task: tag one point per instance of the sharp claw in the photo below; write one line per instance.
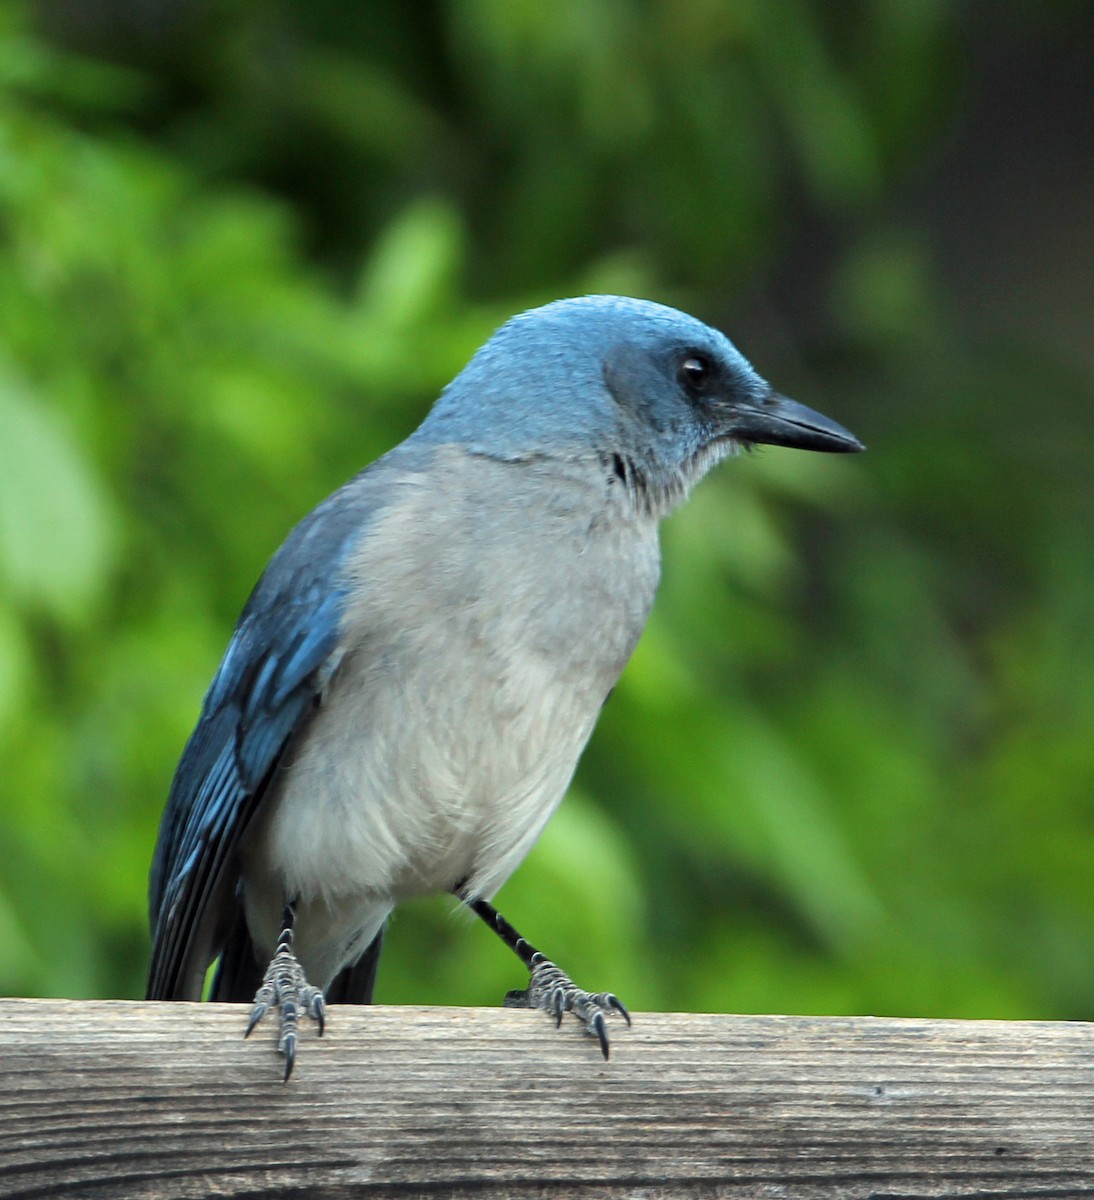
(558, 1004)
(320, 1014)
(257, 1013)
(290, 1055)
(619, 1007)
(597, 1026)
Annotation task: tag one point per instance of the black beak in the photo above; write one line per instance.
(777, 421)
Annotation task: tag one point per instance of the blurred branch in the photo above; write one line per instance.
(148, 1100)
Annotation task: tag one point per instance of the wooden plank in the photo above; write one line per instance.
(118, 1099)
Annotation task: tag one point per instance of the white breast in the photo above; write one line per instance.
(470, 683)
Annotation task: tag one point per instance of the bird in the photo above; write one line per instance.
(409, 687)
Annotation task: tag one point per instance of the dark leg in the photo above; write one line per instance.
(550, 988)
(286, 986)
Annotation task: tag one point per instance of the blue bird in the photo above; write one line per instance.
(410, 685)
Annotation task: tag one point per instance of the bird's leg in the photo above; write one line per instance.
(286, 986)
(549, 987)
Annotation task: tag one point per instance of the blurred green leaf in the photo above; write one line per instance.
(57, 531)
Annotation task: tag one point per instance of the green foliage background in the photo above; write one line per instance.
(242, 246)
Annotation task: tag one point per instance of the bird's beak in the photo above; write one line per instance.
(776, 421)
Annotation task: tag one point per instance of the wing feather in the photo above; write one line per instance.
(259, 699)
(274, 672)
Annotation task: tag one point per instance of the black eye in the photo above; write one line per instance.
(696, 373)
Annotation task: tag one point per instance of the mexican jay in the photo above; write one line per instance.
(407, 692)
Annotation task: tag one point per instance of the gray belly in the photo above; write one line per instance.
(409, 791)
(455, 719)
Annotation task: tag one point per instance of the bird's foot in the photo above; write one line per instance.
(285, 986)
(552, 990)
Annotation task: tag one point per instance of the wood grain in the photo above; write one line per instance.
(118, 1099)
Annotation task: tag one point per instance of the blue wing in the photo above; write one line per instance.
(271, 678)
(267, 684)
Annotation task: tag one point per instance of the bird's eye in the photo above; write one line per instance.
(696, 372)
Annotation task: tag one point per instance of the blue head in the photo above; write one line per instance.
(610, 376)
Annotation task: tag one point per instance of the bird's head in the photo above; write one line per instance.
(637, 384)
